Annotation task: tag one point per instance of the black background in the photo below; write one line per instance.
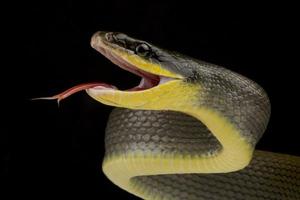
(51, 151)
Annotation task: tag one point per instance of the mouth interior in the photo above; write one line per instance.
(148, 80)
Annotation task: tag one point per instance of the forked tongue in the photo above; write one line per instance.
(76, 89)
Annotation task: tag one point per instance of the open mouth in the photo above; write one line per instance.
(148, 80)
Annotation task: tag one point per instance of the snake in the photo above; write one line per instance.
(188, 130)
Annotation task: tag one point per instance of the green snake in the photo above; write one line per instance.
(188, 130)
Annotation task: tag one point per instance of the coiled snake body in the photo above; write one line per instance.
(188, 130)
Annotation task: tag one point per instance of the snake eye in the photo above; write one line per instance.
(142, 50)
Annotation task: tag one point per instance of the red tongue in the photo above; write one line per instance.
(74, 90)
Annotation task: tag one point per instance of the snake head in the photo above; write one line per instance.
(164, 75)
(162, 81)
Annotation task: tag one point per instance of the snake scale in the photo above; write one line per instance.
(188, 130)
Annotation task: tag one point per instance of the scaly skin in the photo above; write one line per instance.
(189, 129)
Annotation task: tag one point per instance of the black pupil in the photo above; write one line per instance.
(142, 49)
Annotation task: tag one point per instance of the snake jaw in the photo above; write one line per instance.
(153, 77)
(148, 80)
(125, 59)
(155, 81)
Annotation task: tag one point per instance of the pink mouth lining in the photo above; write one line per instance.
(148, 80)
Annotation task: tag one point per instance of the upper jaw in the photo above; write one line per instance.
(104, 42)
